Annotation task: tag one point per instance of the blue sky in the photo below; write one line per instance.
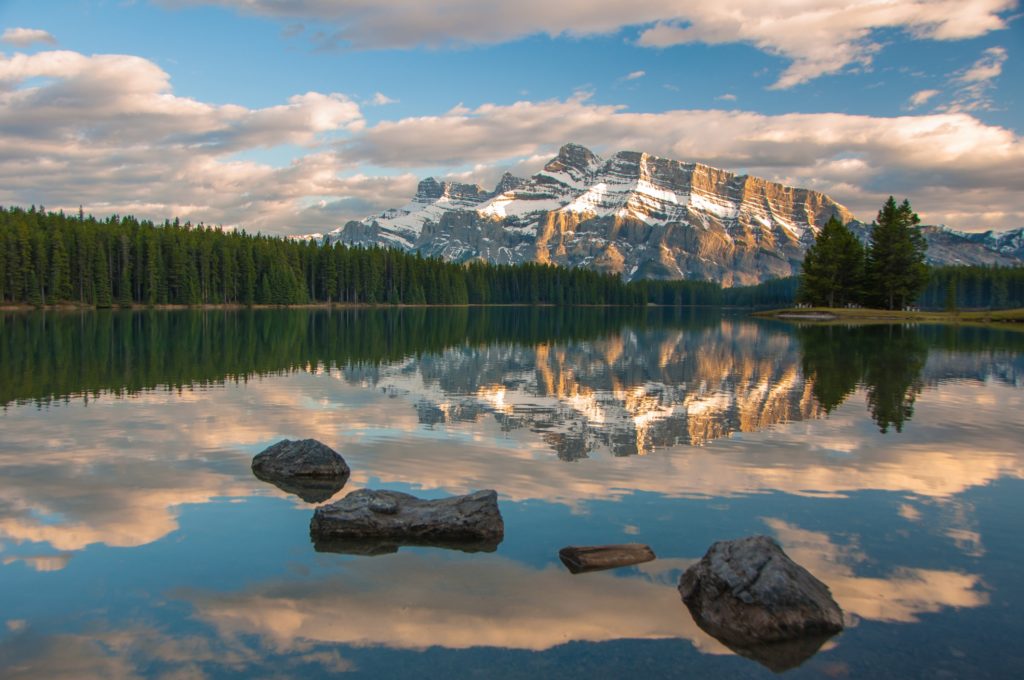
(295, 115)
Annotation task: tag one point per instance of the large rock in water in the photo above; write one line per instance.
(752, 597)
(307, 468)
(369, 521)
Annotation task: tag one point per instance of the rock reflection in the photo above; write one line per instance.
(388, 546)
(309, 489)
(779, 657)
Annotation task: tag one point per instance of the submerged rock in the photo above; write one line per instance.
(580, 559)
(373, 522)
(307, 468)
(752, 597)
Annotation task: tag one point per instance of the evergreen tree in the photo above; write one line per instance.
(60, 269)
(101, 277)
(896, 269)
(833, 268)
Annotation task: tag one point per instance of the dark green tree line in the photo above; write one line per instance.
(48, 258)
(974, 287)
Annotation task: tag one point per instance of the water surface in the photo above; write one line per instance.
(135, 541)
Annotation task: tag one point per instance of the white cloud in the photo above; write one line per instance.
(107, 132)
(381, 99)
(976, 82)
(727, 97)
(23, 37)
(921, 97)
(822, 37)
(817, 37)
(956, 169)
(971, 86)
(635, 75)
(988, 67)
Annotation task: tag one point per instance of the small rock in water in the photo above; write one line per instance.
(753, 598)
(307, 468)
(374, 522)
(580, 559)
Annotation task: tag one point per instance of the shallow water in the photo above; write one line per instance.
(135, 541)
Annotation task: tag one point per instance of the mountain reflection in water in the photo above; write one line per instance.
(626, 381)
(134, 539)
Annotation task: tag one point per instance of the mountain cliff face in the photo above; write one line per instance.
(637, 215)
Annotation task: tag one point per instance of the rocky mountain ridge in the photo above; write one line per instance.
(640, 216)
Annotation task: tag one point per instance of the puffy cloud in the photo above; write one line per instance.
(822, 37)
(955, 169)
(23, 37)
(636, 75)
(818, 37)
(107, 132)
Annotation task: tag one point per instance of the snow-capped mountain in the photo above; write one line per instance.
(637, 215)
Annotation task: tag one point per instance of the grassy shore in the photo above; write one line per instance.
(843, 315)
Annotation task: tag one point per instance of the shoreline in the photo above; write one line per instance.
(825, 315)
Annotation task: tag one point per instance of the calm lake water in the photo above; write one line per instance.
(135, 541)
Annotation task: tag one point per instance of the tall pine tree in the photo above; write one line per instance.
(833, 269)
(896, 269)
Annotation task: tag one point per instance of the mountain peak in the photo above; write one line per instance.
(573, 157)
(430, 189)
(508, 182)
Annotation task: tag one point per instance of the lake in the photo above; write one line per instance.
(136, 542)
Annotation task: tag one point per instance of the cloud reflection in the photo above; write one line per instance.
(117, 471)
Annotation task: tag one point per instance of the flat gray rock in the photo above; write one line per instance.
(307, 468)
(580, 559)
(752, 597)
(370, 522)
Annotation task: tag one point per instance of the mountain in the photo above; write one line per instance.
(640, 216)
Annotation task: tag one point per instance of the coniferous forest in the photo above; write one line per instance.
(48, 258)
(51, 258)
